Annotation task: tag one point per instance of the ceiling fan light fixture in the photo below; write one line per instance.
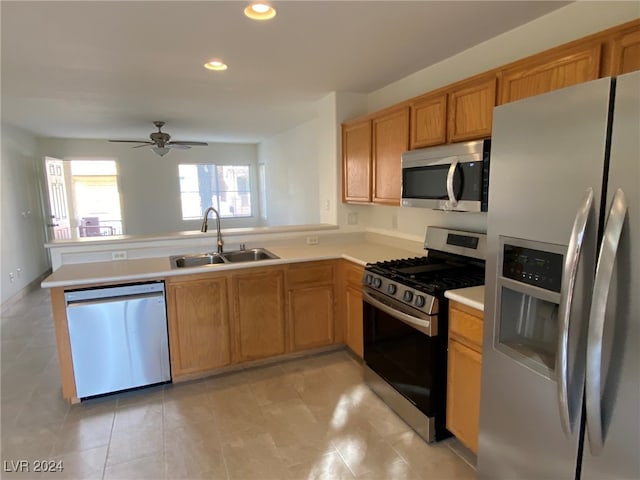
(161, 151)
(260, 11)
(216, 65)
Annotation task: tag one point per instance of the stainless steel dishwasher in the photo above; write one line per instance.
(118, 337)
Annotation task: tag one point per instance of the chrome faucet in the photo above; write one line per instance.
(205, 226)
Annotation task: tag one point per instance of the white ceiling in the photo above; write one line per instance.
(108, 69)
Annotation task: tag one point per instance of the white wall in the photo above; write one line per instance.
(21, 219)
(149, 186)
(569, 23)
(291, 165)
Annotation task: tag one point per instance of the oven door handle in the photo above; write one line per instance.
(425, 326)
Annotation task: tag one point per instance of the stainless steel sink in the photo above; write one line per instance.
(195, 260)
(236, 256)
(251, 255)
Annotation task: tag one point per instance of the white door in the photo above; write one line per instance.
(58, 225)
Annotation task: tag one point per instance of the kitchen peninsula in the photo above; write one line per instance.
(299, 303)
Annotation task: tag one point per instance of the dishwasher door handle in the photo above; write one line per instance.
(119, 298)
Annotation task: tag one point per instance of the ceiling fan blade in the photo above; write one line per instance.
(178, 146)
(133, 141)
(148, 144)
(188, 143)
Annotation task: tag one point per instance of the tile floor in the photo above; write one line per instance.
(310, 418)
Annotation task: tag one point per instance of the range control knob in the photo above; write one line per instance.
(377, 282)
(408, 296)
(419, 301)
(392, 289)
(368, 279)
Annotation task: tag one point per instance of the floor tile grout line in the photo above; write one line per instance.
(106, 457)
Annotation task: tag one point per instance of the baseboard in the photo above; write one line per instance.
(30, 287)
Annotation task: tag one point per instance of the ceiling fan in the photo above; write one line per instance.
(161, 142)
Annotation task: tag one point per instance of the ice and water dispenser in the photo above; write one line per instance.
(528, 289)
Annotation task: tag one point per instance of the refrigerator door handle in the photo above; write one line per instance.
(601, 287)
(450, 192)
(566, 299)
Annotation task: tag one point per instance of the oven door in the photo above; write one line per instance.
(404, 348)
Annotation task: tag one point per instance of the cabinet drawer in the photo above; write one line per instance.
(310, 274)
(461, 324)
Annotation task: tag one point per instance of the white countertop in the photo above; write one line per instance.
(159, 267)
(471, 297)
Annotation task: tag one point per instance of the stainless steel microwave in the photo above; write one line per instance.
(449, 177)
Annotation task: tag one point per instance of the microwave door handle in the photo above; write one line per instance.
(453, 201)
(567, 291)
(601, 287)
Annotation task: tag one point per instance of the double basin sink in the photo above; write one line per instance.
(236, 256)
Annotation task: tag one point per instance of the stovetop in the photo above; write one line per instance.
(421, 281)
(431, 275)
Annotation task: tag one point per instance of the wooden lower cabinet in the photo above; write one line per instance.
(352, 306)
(464, 372)
(353, 320)
(258, 313)
(311, 317)
(198, 325)
(311, 302)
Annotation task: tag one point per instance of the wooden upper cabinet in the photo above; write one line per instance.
(198, 325)
(626, 52)
(551, 70)
(390, 140)
(356, 162)
(259, 313)
(470, 108)
(429, 120)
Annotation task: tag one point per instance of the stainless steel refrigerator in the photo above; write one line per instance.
(560, 392)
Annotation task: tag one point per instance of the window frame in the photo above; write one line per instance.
(216, 192)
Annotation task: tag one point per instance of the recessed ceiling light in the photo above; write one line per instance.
(260, 11)
(216, 65)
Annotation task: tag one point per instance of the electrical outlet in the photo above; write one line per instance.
(352, 218)
(11, 277)
(121, 255)
(312, 240)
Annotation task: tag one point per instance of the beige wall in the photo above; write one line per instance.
(22, 232)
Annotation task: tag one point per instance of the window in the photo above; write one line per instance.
(224, 187)
(95, 197)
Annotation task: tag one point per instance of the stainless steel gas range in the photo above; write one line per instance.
(405, 325)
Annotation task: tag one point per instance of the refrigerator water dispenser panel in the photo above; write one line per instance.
(528, 302)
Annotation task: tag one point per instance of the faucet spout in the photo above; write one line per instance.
(205, 226)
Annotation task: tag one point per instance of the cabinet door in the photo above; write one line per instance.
(470, 110)
(356, 162)
(550, 71)
(311, 317)
(390, 140)
(259, 314)
(429, 121)
(463, 393)
(198, 325)
(353, 314)
(626, 52)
